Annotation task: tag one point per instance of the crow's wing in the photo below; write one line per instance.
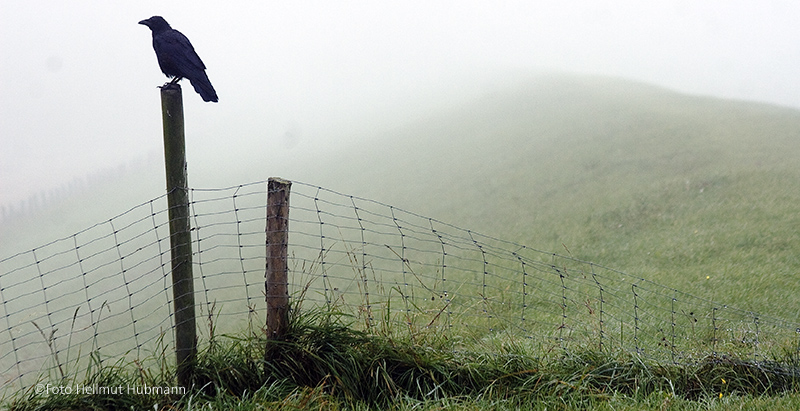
(176, 56)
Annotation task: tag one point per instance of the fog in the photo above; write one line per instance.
(299, 80)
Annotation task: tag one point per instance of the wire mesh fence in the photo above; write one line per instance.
(104, 293)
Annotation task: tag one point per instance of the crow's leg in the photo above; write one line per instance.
(172, 84)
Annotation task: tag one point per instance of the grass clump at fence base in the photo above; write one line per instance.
(325, 363)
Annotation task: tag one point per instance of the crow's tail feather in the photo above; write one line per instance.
(203, 87)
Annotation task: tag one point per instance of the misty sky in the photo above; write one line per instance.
(78, 79)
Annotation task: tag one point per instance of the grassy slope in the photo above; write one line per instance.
(696, 193)
(699, 194)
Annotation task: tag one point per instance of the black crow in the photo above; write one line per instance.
(177, 57)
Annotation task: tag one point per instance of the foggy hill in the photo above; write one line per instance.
(699, 193)
(543, 152)
(672, 187)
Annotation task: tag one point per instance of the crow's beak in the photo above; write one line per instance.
(145, 22)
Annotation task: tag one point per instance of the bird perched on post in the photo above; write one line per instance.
(177, 57)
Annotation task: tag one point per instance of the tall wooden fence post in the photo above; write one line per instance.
(277, 283)
(180, 234)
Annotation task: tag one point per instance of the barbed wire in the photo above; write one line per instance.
(105, 293)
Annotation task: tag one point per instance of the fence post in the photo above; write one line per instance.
(180, 234)
(277, 283)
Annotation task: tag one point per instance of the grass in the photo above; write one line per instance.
(698, 193)
(324, 363)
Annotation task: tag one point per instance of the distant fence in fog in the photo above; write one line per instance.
(47, 198)
(105, 292)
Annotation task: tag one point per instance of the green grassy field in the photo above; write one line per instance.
(695, 193)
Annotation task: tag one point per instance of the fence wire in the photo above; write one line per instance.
(105, 293)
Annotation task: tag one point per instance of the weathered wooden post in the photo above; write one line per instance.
(180, 234)
(277, 283)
